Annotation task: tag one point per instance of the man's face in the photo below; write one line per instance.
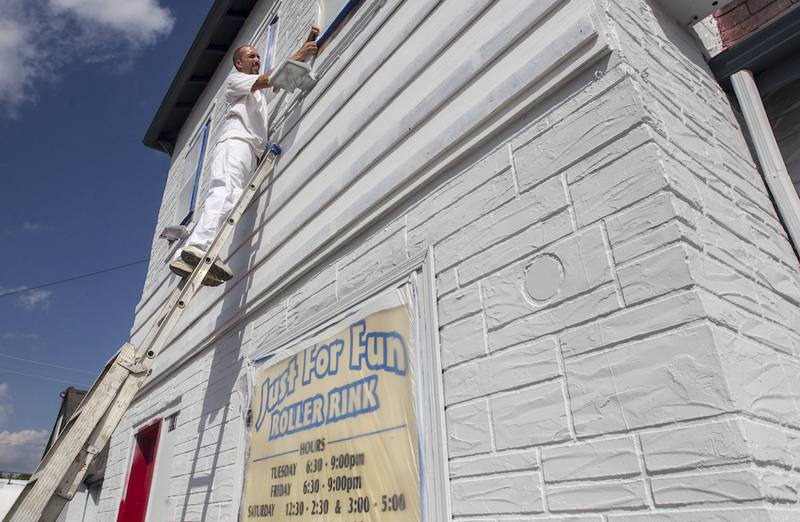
(248, 60)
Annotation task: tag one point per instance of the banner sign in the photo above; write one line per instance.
(333, 435)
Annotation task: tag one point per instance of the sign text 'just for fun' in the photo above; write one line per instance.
(368, 352)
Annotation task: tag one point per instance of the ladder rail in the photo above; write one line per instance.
(88, 431)
(180, 298)
(51, 472)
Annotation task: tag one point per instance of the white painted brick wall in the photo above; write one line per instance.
(660, 381)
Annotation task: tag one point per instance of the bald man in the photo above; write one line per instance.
(242, 136)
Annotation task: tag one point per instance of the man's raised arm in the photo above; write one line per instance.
(306, 51)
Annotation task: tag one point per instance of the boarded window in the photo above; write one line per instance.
(192, 169)
(265, 45)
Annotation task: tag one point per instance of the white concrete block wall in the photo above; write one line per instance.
(617, 301)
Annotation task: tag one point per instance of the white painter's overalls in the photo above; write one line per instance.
(242, 135)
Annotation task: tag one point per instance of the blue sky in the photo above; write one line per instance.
(79, 82)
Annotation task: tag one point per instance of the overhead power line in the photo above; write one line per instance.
(23, 374)
(46, 364)
(74, 278)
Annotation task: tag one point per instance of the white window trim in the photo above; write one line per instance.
(262, 31)
(203, 133)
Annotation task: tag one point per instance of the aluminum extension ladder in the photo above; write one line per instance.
(63, 468)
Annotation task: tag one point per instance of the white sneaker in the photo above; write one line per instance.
(181, 268)
(219, 270)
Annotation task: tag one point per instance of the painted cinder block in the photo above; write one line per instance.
(448, 221)
(526, 242)
(473, 192)
(598, 496)
(501, 371)
(465, 302)
(739, 485)
(582, 308)
(597, 123)
(505, 462)
(654, 316)
(694, 447)
(667, 378)
(772, 444)
(462, 341)
(385, 253)
(761, 382)
(468, 429)
(708, 514)
(646, 215)
(656, 274)
(529, 416)
(599, 459)
(497, 495)
(502, 223)
(615, 186)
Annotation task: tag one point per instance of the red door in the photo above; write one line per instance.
(134, 504)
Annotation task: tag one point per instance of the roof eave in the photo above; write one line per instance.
(158, 136)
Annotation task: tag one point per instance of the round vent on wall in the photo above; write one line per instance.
(543, 277)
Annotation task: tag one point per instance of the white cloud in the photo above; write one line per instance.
(21, 451)
(16, 76)
(33, 299)
(14, 335)
(6, 291)
(28, 300)
(141, 21)
(6, 409)
(32, 227)
(38, 37)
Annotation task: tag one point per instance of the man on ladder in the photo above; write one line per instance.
(242, 136)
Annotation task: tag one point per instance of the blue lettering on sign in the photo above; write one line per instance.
(321, 360)
(300, 416)
(374, 351)
(273, 393)
(353, 399)
(377, 350)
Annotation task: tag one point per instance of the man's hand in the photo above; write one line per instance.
(262, 82)
(309, 48)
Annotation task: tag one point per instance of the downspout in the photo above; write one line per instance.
(769, 155)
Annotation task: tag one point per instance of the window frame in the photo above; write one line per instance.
(271, 36)
(202, 134)
(163, 468)
(339, 20)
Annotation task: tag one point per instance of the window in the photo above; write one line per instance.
(331, 15)
(193, 162)
(133, 506)
(265, 44)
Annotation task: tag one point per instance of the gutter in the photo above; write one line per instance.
(769, 155)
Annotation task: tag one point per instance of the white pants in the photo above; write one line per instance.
(233, 162)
